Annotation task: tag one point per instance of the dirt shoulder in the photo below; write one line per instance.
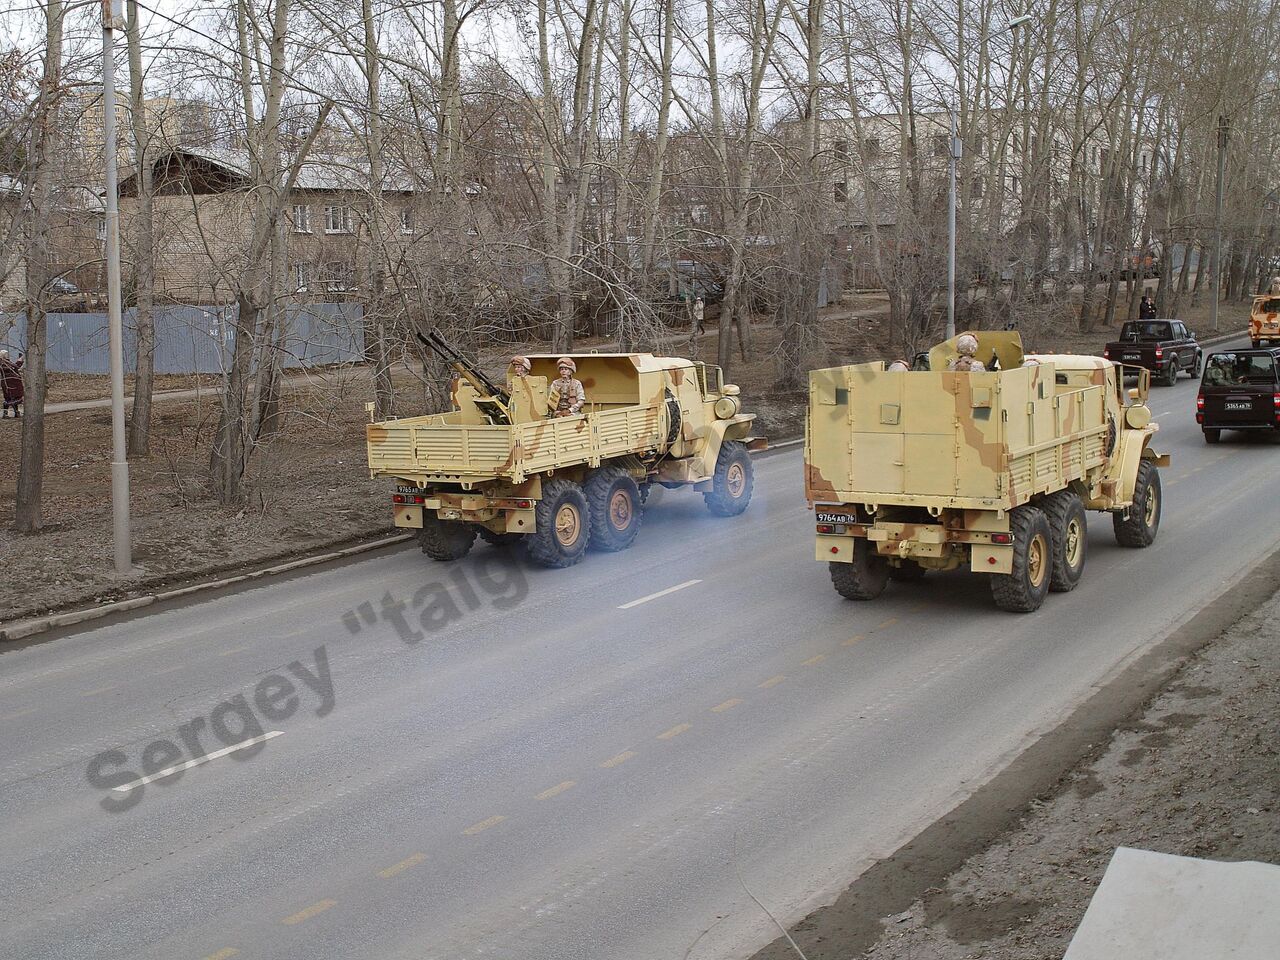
(1195, 771)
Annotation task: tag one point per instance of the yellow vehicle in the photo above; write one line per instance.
(911, 471)
(497, 466)
(1264, 318)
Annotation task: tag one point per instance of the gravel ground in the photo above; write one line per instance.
(1197, 773)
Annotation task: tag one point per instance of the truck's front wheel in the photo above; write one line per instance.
(614, 499)
(864, 578)
(732, 484)
(445, 539)
(1143, 522)
(563, 525)
(1023, 590)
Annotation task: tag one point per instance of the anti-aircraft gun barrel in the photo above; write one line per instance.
(494, 401)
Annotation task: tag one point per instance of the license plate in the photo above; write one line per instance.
(400, 489)
(1239, 405)
(834, 518)
(1133, 356)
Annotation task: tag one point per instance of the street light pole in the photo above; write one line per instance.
(112, 14)
(1215, 278)
(951, 225)
(956, 147)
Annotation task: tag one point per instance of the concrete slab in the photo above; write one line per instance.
(1156, 906)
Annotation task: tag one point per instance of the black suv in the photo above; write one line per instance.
(1240, 390)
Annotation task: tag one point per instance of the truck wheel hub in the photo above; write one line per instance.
(735, 479)
(567, 525)
(1074, 543)
(620, 510)
(1036, 560)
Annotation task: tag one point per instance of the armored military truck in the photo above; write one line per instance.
(496, 466)
(912, 471)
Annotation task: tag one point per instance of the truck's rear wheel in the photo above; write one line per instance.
(445, 539)
(1023, 590)
(1171, 372)
(614, 500)
(865, 578)
(1069, 526)
(1140, 529)
(563, 525)
(732, 484)
(1212, 436)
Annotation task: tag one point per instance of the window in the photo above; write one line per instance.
(841, 149)
(406, 220)
(700, 214)
(102, 230)
(842, 192)
(301, 218)
(302, 276)
(941, 144)
(338, 277)
(337, 219)
(871, 147)
(975, 189)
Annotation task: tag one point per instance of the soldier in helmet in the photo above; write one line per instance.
(966, 347)
(567, 397)
(520, 367)
(898, 366)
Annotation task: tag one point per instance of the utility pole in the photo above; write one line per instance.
(1224, 132)
(112, 17)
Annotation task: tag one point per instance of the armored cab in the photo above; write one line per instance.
(1264, 317)
(502, 468)
(936, 469)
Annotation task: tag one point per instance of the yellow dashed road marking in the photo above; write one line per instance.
(226, 953)
(620, 758)
(558, 789)
(233, 650)
(475, 828)
(888, 623)
(173, 669)
(773, 681)
(90, 693)
(727, 705)
(675, 731)
(308, 912)
(856, 638)
(812, 660)
(402, 866)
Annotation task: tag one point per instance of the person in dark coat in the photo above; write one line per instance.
(1146, 309)
(11, 384)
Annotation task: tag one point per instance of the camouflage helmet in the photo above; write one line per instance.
(567, 362)
(521, 362)
(898, 366)
(966, 344)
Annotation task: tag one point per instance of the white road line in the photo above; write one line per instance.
(170, 771)
(660, 593)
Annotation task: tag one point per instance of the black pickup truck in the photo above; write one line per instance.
(1165, 347)
(1240, 391)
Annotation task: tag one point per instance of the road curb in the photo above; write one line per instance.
(21, 629)
(1224, 337)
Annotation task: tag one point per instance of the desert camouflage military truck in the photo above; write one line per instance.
(1264, 318)
(935, 469)
(496, 466)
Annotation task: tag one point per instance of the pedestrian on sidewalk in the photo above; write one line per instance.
(11, 384)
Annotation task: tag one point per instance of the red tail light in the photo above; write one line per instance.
(524, 504)
(1275, 399)
(398, 498)
(1159, 353)
(419, 499)
(824, 528)
(1002, 538)
(1200, 402)
(1106, 354)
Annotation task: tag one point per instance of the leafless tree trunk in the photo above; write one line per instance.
(144, 262)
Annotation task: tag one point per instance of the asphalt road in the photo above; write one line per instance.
(568, 770)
